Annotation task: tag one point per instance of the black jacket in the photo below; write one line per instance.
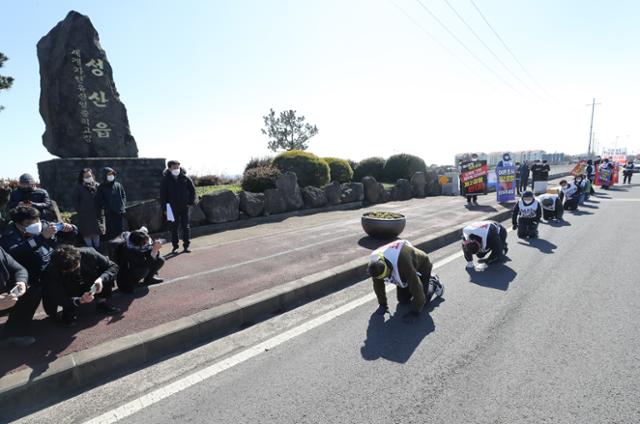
(38, 197)
(33, 252)
(494, 244)
(112, 198)
(179, 192)
(516, 213)
(10, 272)
(92, 266)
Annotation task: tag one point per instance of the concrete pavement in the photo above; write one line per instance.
(550, 336)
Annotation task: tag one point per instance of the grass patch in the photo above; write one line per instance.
(201, 191)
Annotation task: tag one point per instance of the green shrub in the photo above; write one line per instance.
(402, 165)
(256, 162)
(310, 169)
(353, 164)
(370, 167)
(211, 180)
(257, 180)
(340, 169)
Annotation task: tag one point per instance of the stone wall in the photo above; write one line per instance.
(140, 176)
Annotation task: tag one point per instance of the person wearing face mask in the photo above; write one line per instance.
(409, 269)
(551, 206)
(178, 191)
(113, 199)
(31, 241)
(77, 276)
(482, 238)
(526, 216)
(27, 194)
(18, 301)
(138, 258)
(571, 194)
(86, 205)
(628, 172)
(581, 185)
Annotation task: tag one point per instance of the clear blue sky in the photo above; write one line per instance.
(197, 76)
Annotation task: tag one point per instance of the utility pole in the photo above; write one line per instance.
(593, 108)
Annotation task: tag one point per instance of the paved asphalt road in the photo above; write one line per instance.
(550, 336)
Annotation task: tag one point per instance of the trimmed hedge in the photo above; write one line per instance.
(340, 169)
(257, 180)
(370, 167)
(257, 162)
(402, 165)
(309, 168)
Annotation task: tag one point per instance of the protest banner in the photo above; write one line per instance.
(506, 184)
(473, 177)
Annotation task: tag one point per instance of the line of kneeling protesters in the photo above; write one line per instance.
(408, 268)
(36, 265)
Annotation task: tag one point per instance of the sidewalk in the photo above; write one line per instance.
(235, 264)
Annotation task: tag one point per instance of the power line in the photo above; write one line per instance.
(504, 65)
(507, 83)
(507, 47)
(434, 39)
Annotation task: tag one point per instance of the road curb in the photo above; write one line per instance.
(78, 371)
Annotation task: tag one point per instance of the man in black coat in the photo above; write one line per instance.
(27, 194)
(17, 300)
(112, 198)
(77, 276)
(138, 258)
(178, 191)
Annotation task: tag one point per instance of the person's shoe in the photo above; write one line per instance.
(107, 308)
(153, 280)
(382, 309)
(174, 250)
(439, 290)
(410, 317)
(18, 341)
(186, 249)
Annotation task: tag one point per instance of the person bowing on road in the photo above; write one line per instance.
(482, 238)
(526, 216)
(551, 206)
(409, 269)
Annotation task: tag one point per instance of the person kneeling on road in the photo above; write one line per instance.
(76, 276)
(138, 258)
(571, 195)
(17, 301)
(551, 206)
(480, 238)
(526, 216)
(409, 269)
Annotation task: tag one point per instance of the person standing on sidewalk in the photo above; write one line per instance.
(524, 176)
(113, 199)
(628, 172)
(409, 269)
(518, 178)
(85, 203)
(178, 191)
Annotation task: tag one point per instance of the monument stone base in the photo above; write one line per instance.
(140, 176)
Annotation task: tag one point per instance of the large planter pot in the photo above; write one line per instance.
(383, 228)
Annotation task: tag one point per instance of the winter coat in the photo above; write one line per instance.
(85, 202)
(179, 192)
(10, 272)
(38, 197)
(111, 197)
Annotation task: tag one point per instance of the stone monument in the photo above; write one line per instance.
(86, 122)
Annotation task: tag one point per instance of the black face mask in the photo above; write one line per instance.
(27, 189)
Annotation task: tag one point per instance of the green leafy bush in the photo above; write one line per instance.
(257, 180)
(257, 162)
(340, 169)
(402, 165)
(213, 180)
(370, 167)
(309, 168)
(383, 215)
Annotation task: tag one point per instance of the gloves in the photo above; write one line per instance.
(470, 265)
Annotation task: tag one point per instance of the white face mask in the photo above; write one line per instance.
(175, 172)
(110, 178)
(34, 229)
(88, 180)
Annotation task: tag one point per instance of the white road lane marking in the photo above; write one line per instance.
(161, 393)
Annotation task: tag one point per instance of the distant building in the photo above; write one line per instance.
(467, 156)
(553, 158)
